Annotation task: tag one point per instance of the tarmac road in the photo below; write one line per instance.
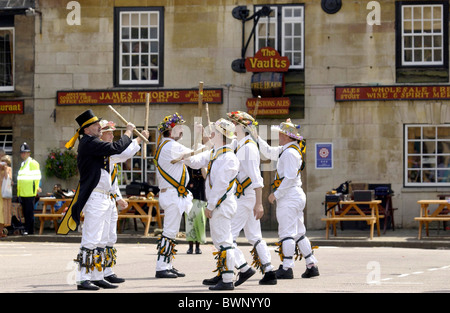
(47, 267)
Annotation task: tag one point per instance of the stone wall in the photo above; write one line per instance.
(201, 41)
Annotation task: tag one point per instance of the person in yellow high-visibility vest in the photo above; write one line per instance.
(28, 180)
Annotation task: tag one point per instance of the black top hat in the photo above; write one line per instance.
(25, 148)
(86, 119)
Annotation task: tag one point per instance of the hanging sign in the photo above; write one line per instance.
(267, 59)
(269, 106)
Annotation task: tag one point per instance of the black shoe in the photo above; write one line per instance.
(284, 274)
(87, 285)
(243, 276)
(198, 251)
(270, 278)
(177, 272)
(165, 274)
(311, 272)
(212, 281)
(104, 284)
(222, 286)
(113, 279)
(189, 251)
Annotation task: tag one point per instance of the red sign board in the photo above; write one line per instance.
(11, 107)
(107, 97)
(267, 60)
(269, 106)
(380, 93)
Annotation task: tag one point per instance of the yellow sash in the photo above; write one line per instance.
(180, 186)
(278, 180)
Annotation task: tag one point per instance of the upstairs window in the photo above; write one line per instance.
(284, 31)
(139, 47)
(423, 34)
(6, 58)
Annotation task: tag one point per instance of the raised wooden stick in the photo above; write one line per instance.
(255, 110)
(147, 110)
(136, 132)
(200, 99)
(207, 115)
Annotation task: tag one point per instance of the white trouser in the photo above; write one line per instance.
(95, 233)
(291, 225)
(170, 203)
(220, 228)
(112, 234)
(245, 219)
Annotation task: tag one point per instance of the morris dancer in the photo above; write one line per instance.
(93, 197)
(222, 168)
(249, 203)
(291, 200)
(110, 252)
(174, 198)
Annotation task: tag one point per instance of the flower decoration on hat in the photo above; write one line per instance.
(242, 118)
(225, 127)
(107, 126)
(290, 129)
(170, 121)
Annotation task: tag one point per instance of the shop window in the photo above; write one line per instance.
(138, 168)
(422, 41)
(6, 58)
(427, 155)
(139, 47)
(283, 30)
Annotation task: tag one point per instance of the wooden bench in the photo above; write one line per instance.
(135, 205)
(46, 215)
(352, 212)
(440, 214)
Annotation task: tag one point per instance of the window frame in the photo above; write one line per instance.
(400, 50)
(423, 155)
(118, 67)
(280, 31)
(12, 87)
(147, 170)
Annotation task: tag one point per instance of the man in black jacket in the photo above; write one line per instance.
(93, 197)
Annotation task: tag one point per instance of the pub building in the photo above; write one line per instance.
(368, 81)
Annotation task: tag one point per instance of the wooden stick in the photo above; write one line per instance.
(197, 141)
(147, 111)
(135, 131)
(255, 110)
(188, 155)
(207, 113)
(200, 99)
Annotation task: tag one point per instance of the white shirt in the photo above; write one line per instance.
(223, 170)
(288, 165)
(129, 152)
(171, 150)
(249, 163)
(105, 183)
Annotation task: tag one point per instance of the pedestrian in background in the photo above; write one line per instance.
(6, 188)
(196, 220)
(28, 180)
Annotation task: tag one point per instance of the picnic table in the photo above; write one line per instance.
(136, 210)
(49, 212)
(351, 211)
(440, 214)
